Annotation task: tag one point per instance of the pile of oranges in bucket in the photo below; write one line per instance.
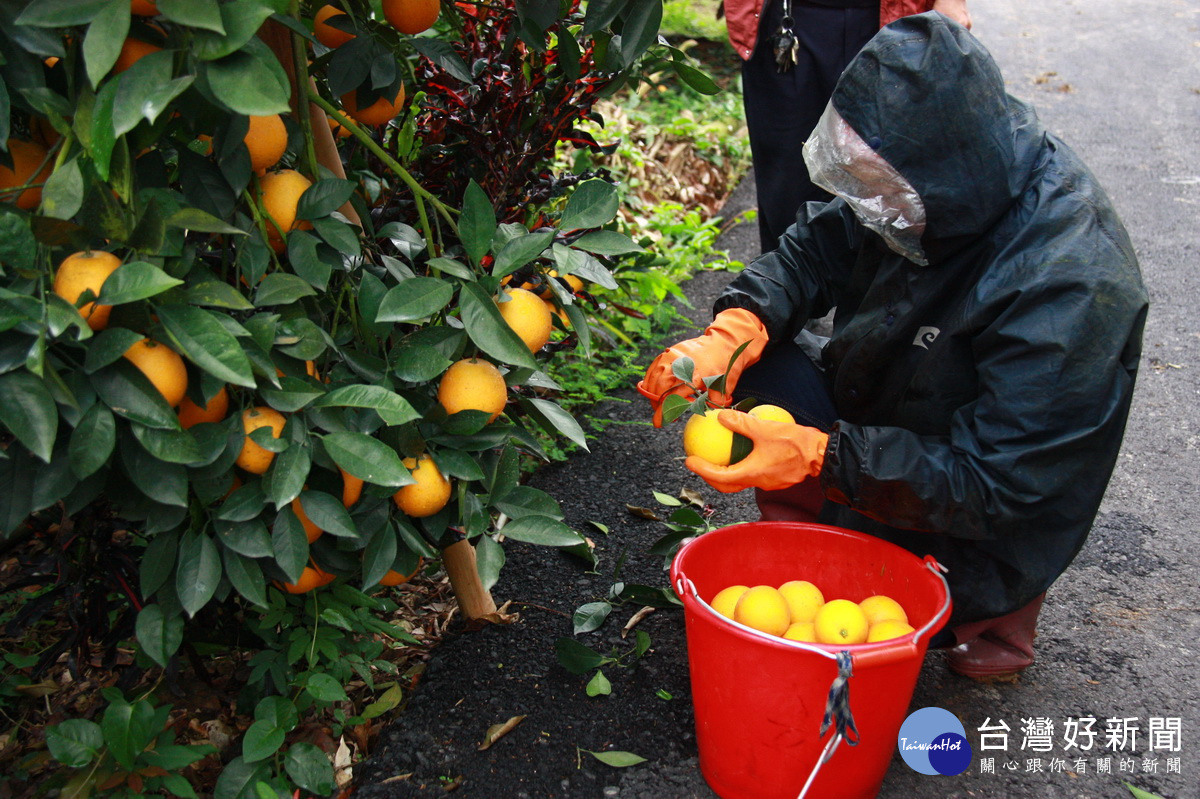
(798, 611)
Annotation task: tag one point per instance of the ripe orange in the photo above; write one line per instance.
(163, 366)
(411, 16)
(428, 495)
(312, 577)
(472, 384)
(326, 34)
(214, 410)
(394, 577)
(763, 608)
(706, 438)
(801, 631)
(803, 598)
(311, 531)
(133, 51)
(266, 139)
(280, 193)
(888, 629)
(80, 272)
(727, 598)
(881, 608)
(143, 8)
(377, 113)
(772, 413)
(528, 317)
(840, 621)
(27, 158)
(253, 458)
(337, 129)
(351, 487)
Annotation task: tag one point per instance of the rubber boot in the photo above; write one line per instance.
(996, 650)
(799, 503)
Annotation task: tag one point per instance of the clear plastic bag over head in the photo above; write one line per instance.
(840, 162)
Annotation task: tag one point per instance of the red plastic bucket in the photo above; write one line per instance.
(760, 700)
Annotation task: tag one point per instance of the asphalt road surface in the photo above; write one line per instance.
(1120, 82)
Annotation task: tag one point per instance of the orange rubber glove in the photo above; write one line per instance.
(784, 454)
(710, 352)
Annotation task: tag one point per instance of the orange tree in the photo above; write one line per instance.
(243, 247)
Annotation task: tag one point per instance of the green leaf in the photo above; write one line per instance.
(477, 225)
(249, 538)
(543, 531)
(237, 777)
(601, 13)
(28, 410)
(594, 202)
(17, 244)
(104, 38)
(286, 479)
(134, 281)
(617, 759)
(128, 730)
(197, 571)
(695, 78)
(590, 616)
(324, 197)
(204, 340)
(262, 740)
(607, 242)
(145, 91)
(415, 299)
(419, 363)
(61, 13)
(488, 330)
(309, 768)
(444, 55)
(246, 576)
(62, 196)
(203, 14)
(598, 685)
(75, 742)
(93, 440)
(216, 294)
(325, 688)
(451, 267)
(160, 635)
(517, 252)
(379, 556)
(1138, 793)
(250, 81)
(554, 419)
(391, 407)
(171, 446)
(640, 29)
(489, 560)
(367, 458)
(328, 513)
(576, 657)
(289, 544)
(241, 19)
(281, 288)
(201, 222)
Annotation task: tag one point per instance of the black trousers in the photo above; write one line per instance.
(783, 108)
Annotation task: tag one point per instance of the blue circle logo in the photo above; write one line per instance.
(933, 741)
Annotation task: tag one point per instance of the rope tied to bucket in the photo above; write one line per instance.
(837, 704)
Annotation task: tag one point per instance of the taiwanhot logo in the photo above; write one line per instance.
(933, 741)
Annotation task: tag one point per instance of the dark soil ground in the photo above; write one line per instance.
(1117, 635)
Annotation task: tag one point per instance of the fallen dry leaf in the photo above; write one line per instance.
(498, 731)
(644, 513)
(635, 618)
(343, 772)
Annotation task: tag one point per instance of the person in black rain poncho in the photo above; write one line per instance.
(972, 398)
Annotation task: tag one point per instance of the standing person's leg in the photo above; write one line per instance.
(782, 108)
(787, 377)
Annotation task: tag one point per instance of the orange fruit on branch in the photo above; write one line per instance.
(133, 51)
(143, 8)
(428, 495)
(191, 414)
(279, 193)
(394, 577)
(380, 112)
(267, 140)
(473, 385)
(27, 158)
(528, 316)
(326, 34)
(254, 458)
(81, 272)
(411, 16)
(163, 366)
(311, 531)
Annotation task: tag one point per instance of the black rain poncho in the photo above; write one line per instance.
(981, 398)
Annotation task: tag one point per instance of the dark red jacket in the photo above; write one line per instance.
(742, 16)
